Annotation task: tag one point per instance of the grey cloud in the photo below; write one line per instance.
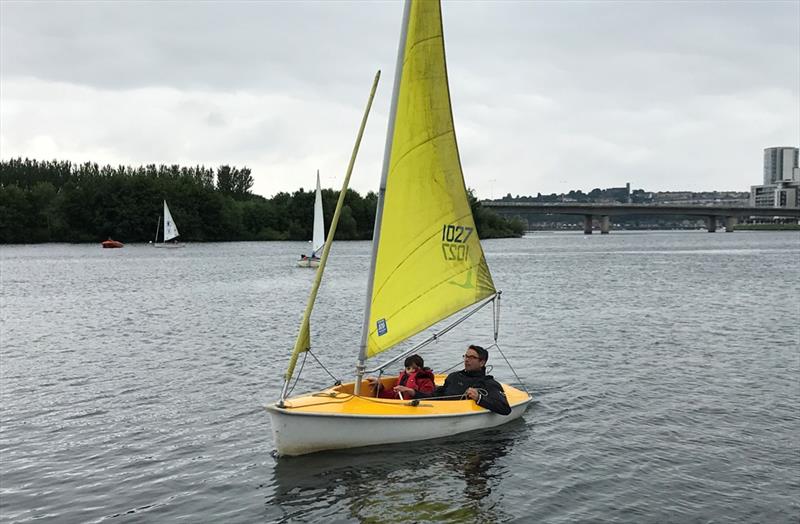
(590, 92)
(236, 45)
(215, 119)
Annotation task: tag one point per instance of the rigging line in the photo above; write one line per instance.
(433, 338)
(332, 394)
(519, 381)
(336, 380)
(412, 303)
(460, 363)
(453, 367)
(303, 363)
(447, 397)
(496, 314)
(378, 384)
(413, 402)
(393, 402)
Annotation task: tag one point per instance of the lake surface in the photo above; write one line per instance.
(665, 368)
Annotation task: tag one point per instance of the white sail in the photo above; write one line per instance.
(170, 229)
(318, 241)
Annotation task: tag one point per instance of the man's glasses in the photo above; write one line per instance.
(471, 357)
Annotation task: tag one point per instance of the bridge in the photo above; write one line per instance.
(730, 214)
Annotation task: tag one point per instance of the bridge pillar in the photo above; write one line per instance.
(587, 224)
(730, 224)
(711, 222)
(605, 225)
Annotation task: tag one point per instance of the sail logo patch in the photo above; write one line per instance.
(454, 241)
(382, 329)
(467, 284)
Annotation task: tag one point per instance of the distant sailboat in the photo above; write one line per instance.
(111, 243)
(170, 231)
(318, 240)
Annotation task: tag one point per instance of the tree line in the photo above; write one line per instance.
(59, 201)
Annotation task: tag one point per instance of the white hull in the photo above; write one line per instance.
(169, 245)
(301, 433)
(306, 262)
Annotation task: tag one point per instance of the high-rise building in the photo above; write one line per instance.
(780, 164)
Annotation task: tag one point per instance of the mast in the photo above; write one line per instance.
(387, 153)
(158, 224)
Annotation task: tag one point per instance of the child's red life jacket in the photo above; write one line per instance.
(419, 380)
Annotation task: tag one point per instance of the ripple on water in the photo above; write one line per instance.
(665, 386)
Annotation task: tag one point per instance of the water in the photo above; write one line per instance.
(665, 368)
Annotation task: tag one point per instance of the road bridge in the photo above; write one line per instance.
(729, 214)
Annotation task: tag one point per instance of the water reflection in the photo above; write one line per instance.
(457, 479)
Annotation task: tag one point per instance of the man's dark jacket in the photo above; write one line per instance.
(456, 384)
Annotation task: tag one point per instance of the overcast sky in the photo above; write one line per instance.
(547, 96)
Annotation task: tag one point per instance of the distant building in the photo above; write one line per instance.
(782, 194)
(781, 187)
(704, 198)
(780, 165)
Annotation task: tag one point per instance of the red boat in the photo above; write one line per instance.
(112, 243)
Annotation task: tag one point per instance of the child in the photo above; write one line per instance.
(415, 376)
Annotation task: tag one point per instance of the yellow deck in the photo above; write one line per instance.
(339, 400)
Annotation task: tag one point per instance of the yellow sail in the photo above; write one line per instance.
(429, 262)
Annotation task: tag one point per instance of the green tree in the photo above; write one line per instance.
(60, 201)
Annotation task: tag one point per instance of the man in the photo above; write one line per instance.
(472, 382)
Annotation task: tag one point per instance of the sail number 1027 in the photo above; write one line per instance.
(454, 241)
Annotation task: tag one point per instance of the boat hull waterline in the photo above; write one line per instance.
(333, 419)
(308, 262)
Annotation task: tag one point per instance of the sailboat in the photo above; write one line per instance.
(318, 239)
(427, 264)
(170, 231)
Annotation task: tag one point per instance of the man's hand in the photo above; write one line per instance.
(473, 394)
